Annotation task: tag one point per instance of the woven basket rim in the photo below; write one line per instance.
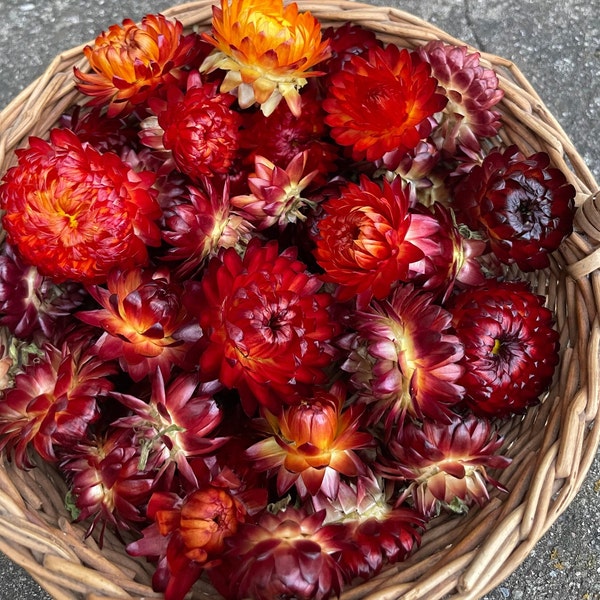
(552, 446)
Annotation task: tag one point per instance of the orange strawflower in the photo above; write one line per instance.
(75, 213)
(131, 61)
(266, 49)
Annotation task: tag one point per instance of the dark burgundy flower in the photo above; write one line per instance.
(444, 465)
(522, 204)
(511, 347)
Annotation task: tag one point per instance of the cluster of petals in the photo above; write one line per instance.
(412, 359)
(381, 102)
(312, 444)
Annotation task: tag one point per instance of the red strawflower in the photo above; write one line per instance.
(266, 326)
(511, 347)
(75, 213)
(522, 204)
(175, 425)
(412, 362)
(106, 483)
(285, 555)
(313, 443)
(53, 401)
(381, 101)
(199, 128)
(130, 61)
(471, 90)
(31, 303)
(201, 222)
(367, 239)
(444, 464)
(142, 316)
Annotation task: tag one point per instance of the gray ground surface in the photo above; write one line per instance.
(555, 44)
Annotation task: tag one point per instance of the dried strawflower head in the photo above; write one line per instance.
(379, 532)
(53, 402)
(346, 41)
(200, 128)
(70, 222)
(290, 554)
(267, 50)
(367, 240)
(199, 224)
(129, 62)
(176, 424)
(523, 205)
(276, 196)
(31, 304)
(141, 317)
(382, 101)
(106, 484)
(412, 361)
(266, 325)
(188, 534)
(312, 443)
(511, 346)
(444, 465)
(472, 92)
(282, 135)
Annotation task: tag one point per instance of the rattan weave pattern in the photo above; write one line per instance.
(552, 446)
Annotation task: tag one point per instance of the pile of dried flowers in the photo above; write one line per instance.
(253, 296)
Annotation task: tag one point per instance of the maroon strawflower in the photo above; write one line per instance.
(410, 361)
(444, 465)
(511, 347)
(175, 425)
(289, 554)
(522, 204)
(199, 223)
(380, 533)
(31, 303)
(106, 483)
(53, 401)
(345, 42)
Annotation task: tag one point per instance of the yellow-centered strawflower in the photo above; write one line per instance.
(267, 50)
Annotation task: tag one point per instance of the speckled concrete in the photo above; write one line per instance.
(555, 44)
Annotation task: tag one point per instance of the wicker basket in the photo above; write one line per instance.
(552, 446)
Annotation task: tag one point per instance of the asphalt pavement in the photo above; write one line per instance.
(555, 44)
